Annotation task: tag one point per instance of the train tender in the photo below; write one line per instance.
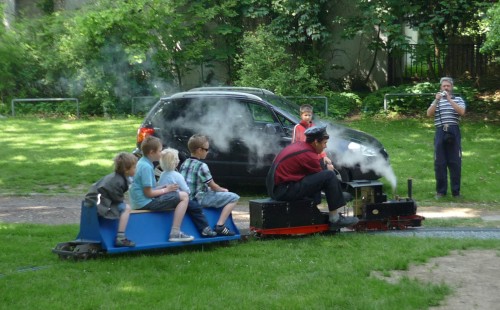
(270, 217)
(148, 229)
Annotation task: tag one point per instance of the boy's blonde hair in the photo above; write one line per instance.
(306, 108)
(169, 159)
(149, 144)
(123, 162)
(196, 141)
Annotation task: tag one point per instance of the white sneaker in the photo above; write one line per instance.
(180, 237)
(343, 221)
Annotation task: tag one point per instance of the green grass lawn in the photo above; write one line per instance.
(316, 272)
(409, 143)
(54, 156)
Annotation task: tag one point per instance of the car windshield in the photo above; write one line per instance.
(284, 106)
(290, 110)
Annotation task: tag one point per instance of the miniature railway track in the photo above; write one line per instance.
(440, 232)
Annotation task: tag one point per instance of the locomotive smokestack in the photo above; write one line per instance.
(410, 188)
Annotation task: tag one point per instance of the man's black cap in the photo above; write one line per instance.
(316, 133)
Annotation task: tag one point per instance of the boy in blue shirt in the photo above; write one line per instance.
(202, 185)
(145, 195)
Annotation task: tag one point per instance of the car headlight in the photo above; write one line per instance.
(362, 149)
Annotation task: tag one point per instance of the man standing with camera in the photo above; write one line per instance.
(447, 109)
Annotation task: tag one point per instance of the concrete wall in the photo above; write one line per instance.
(31, 7)
(9, 12)
(214, 74)
(71, 4)
(27, 7)
(349, 61)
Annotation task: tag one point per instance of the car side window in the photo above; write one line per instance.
(168, 111)
(261, 114)
(286, 122)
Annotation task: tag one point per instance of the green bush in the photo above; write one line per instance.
(417, 104)
(47, 109)
(342, 104)
(266, 63)
(19, 72)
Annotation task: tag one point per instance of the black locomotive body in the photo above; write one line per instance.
(369, 204)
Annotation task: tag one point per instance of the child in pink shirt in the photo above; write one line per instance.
(306, 115)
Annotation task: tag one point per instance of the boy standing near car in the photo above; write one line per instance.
(202, 185)
(297, 174)
(145, 195)
(446, 110)
(306, 116)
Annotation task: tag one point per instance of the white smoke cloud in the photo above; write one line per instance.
(364, 155)
(229, 125)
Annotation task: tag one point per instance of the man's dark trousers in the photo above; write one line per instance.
(311, 186)
(448, 156)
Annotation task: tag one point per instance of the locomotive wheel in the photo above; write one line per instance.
(63, 250)
(255, 235)
(86, 251)
(77, 251)
(64, 256)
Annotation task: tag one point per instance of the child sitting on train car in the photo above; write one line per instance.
(203, 187)
(169, 161)
(108, 195)
(145, 195)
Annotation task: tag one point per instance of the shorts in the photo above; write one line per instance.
(213, 199)
(166, 201)
(121, 207)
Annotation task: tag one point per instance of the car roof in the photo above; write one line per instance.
(248, 90)
(209, 93)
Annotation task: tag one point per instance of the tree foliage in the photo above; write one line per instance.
(266, 63)
(492, 26)
(438, 22)
(107, 52)
(19, 72)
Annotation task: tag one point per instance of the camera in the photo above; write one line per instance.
(444, 93)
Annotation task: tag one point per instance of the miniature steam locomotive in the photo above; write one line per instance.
(269, 217)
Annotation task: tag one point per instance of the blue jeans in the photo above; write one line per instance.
(121, 207)
(168, 201)
(213, 199)
(195, 211)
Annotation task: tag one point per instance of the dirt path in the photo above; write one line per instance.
(40, 209)
(56, 210)
(474, 275)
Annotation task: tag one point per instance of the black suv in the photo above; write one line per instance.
(247, 128)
